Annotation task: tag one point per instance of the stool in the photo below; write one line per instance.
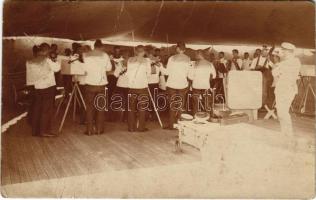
(271, 112)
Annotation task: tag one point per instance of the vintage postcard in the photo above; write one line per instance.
(158, 99)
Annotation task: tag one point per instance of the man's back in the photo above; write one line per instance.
(40, 72)
(96, 64)
(177, 69)
(200, 74)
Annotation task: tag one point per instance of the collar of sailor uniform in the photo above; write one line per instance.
(263, 55)
(117, 56)
(118, 59)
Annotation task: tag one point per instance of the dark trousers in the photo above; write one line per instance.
(67, 82)
(177, 100)
(31, 104)
(152, 87)
(137, 105)
(218, 84)
(271, 97)
(111, 89)
(202, 101)
(42, 110)
(96, 104)
(59, 79)
(123, 93)
(267, 80)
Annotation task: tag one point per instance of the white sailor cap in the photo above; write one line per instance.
(288, 46)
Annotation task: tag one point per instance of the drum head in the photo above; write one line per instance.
(202, 115)
(186, 117)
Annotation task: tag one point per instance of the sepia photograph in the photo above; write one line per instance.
(158, 99)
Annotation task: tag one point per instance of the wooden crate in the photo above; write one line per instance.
(194, 134)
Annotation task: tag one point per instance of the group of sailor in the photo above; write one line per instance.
(135, 79)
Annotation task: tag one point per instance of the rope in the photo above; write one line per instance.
(119, 16)
(157, 19)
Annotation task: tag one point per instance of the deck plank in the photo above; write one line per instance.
(6, 172)
(13, 161)
(42, 161)
(76, 154)
(92, 153)
(26, 158)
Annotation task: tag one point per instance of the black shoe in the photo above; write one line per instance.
(143, 130)
(48, 135)
(166, 127)
(131, 130)
(99, 132)
(88, 133)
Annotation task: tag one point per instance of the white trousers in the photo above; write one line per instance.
(283, 103)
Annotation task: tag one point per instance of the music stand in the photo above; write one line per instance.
(67, 69)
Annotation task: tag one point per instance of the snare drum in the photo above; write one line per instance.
(186, 117)
(201, 117)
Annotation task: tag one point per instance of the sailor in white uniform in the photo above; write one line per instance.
(201, 75)
(285, 75)
(156, 71)
(177, 84)
(121, 90)
(40, 74)
(138, 72)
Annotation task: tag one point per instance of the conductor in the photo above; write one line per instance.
(285, 76)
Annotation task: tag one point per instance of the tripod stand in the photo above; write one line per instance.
(308, 88)
(299, 103)
(73, 97)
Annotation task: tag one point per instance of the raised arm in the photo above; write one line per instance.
(166, 70)
(148, 68)
(191, 73)
(213, 71)
(54, 66)
(108, 64)
(253, 63)
(129, 67)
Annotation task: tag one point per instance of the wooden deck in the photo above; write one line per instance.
(27, 159)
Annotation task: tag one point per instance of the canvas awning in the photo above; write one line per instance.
(195, 21)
